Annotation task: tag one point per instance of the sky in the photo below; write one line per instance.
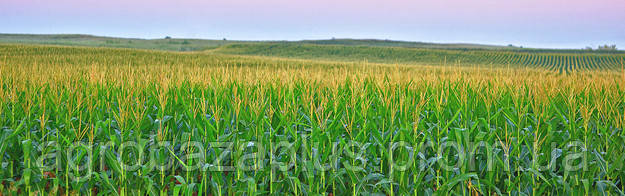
(528, 23)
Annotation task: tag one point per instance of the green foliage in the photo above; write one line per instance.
(167, 43)
(353, 50)
(130, 122)
(564, 62)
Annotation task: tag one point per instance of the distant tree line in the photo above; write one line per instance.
(605, 47)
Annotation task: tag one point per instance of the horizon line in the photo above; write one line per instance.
(296, 40)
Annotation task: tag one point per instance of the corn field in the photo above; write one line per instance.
(559, 61)
(87, 121)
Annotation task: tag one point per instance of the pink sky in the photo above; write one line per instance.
(537, 23)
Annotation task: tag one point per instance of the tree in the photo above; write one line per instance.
(167, 37)
(607, 47)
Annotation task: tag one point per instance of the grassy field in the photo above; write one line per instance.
(200, 44)
(357, 51)
(556, 61)
(172, 44)
(105, 121)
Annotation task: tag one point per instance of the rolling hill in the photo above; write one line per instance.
(354, 50)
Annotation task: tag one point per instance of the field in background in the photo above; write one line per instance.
(561, 62)
(178, 44)
(112, 42)
(123, 121)
(351, 50)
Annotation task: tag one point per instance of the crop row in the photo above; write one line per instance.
(128, 122)
(561, 62)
